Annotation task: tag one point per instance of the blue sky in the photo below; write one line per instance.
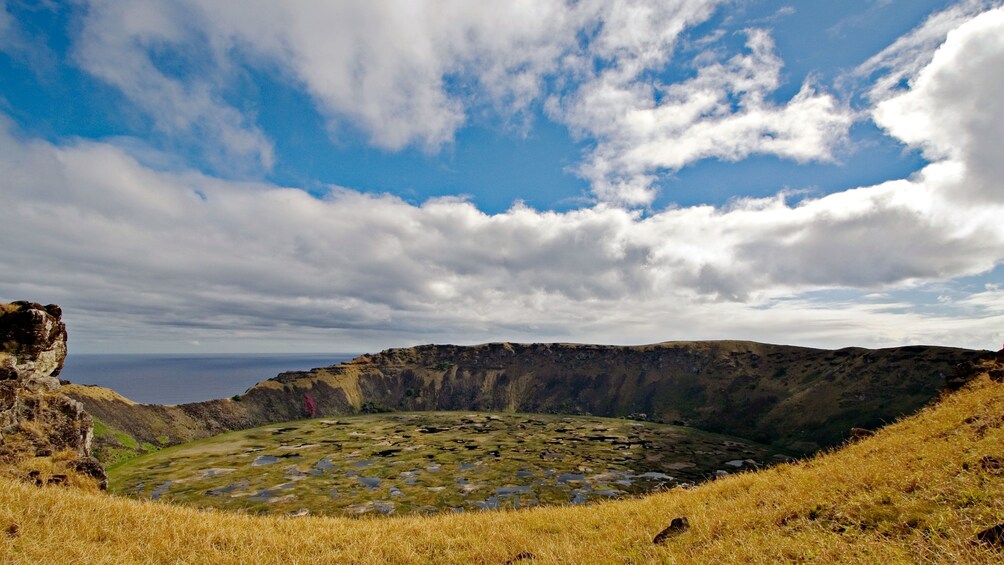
(265, 176)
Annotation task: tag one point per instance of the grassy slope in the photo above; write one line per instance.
(914, 492)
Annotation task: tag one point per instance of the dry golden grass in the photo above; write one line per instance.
(916, 492)
(93, 392)
(56, 468)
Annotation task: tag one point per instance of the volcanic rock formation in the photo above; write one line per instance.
(795, 398)
(36, 419)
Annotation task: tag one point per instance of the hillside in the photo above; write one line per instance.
(795, 398)
(920, 490)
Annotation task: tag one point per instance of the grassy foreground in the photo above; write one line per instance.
(918, 491)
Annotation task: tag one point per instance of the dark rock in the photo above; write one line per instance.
(8, 396)
(8, 373)
(990, 463)
(996, 375)
(91, 467)
(521, 556)
(676, 527)
(968, 370)
(993, 536)
(860, 433)
(961, 374)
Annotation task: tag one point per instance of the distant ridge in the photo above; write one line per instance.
(797, 398)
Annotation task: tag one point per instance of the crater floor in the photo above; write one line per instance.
(429, 462)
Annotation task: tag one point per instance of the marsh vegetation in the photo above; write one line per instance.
(431, 462)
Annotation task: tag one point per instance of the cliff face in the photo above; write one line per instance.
(39, 426)
(796, 398)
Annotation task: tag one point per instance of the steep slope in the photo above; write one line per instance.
(792, 397)
(921, 490)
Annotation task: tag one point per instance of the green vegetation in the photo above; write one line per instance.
(429, 462)
(114, 447)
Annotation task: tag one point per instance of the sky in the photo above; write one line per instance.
(267, 176)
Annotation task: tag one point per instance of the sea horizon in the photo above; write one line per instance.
(179, 378)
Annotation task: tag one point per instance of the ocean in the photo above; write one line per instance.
(177, 379)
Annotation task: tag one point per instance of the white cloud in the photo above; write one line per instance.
(724, 112)
(118, 42)
(383, 67)
(135, 254)
(954, 109)
(897, 64)
(150, 252)
(408, 73)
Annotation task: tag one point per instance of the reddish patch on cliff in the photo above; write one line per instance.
(309, 405)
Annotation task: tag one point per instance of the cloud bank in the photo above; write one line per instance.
(182, 255)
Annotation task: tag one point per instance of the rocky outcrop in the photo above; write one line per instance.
(32, 345)
(37, 421)
(796, 398)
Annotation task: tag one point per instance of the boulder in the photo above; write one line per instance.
(521, 556)
(992, 536)
(676, 527)
(858, 434)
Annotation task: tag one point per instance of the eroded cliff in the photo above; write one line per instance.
(795, 398)
(45, 436)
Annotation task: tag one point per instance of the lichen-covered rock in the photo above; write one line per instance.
(36, 420)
